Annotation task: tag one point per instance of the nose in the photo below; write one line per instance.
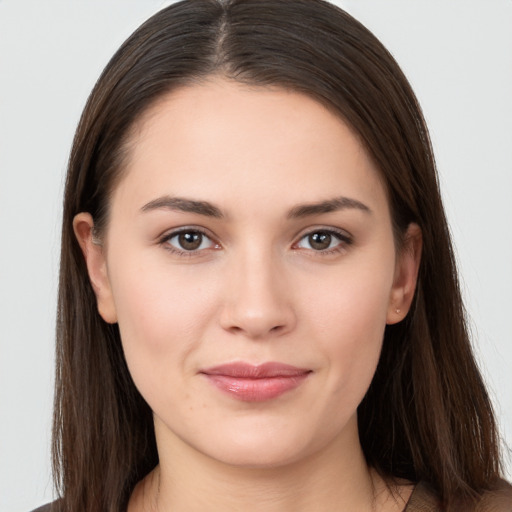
(257, 301)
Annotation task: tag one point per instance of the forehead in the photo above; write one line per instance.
(221, 140)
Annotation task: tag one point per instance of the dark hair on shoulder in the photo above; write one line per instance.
(427, 415)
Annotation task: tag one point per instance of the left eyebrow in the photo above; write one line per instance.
(182, 204)
(328, 206)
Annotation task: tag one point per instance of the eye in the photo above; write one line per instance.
(324, 241)
(188, 241)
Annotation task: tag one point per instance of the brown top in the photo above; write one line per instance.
(423, 499)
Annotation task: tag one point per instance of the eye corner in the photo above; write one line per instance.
(188, 241)
(328, 241)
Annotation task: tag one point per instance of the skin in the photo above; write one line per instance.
(257, 289)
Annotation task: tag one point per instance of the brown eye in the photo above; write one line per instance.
(324, 241)
(320, 240)
(188, 241)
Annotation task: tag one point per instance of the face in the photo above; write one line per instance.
(250, 263)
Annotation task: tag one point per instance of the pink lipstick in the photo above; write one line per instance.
(255, 383)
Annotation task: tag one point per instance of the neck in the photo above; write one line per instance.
(334, 476)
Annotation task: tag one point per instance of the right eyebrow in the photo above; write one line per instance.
(328, 206)
(182, 204)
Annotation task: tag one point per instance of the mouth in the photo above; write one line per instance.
(255, 383)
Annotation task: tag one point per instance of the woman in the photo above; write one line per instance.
(258, 301)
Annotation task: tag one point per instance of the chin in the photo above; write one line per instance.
(261, 448)
(257, 457)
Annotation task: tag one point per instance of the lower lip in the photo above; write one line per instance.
(256, 390)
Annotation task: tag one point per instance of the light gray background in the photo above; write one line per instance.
(458, 56)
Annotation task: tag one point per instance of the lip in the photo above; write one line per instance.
(255, 383)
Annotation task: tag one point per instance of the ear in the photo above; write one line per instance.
(94, 255)
(406, 275)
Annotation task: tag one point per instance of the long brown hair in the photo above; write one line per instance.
(427, 415)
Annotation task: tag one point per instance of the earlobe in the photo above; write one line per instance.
(406, 275)
(94, 255)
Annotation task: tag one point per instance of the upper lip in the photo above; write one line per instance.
(259, 371)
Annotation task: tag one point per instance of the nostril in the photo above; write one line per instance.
(257, 313)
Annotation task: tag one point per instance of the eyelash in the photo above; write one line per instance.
(164, 241)
(344, 239)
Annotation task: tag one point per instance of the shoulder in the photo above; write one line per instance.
(49, 507)
(425, 499)
(497, 500)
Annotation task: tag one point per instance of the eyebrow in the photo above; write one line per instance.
(208, 209)
(183, 205)
(331, 205)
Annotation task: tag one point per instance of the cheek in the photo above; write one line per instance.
(353, 300)
(161, 315)
(349, 321)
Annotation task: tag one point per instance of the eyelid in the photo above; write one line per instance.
(345, 238)
(169, 234)
(342, 233)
